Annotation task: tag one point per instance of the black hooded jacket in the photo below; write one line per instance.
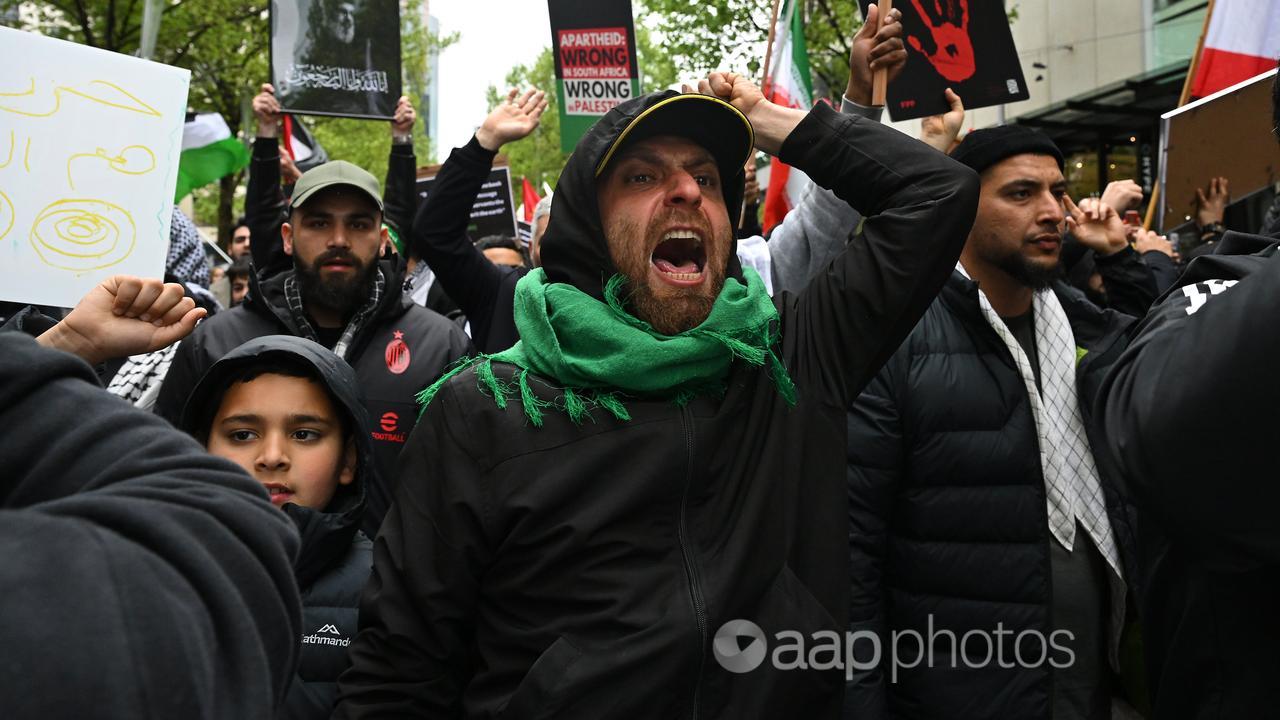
(143, 578)
(333, 564)
(1190, 416)
(399, 330)
(582, 571)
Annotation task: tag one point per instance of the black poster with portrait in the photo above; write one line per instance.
(336, 57)
(965, 45)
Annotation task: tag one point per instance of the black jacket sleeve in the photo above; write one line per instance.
(1130, 285)
(399, 195)
(411, 657)
(440, 236)
(1163, 269)
(1190, 416)
(919, 205)
(876, 438)
(143, 577)
(265, 208)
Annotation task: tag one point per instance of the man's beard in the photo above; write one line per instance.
(669, 309)
(1026, 272)
(343, 296)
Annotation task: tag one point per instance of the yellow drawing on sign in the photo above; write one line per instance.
(6, 214)
(102, 92)
(132, 160)
(81, 235)
(26, 156)
(12, 144)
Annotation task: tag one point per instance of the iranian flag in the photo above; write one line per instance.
(1243, 40)
(788, 84)
(209, 153)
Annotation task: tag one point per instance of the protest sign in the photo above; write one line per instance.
(1226, 134)
(494, 212)
(965, 45)
(336, 57)
(89, 149)
(595, 54)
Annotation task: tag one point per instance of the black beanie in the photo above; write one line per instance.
(983, 148)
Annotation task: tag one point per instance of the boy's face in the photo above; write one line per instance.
(285, 432)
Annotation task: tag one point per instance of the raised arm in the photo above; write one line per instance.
(264, 203)
(440, 229)
(820, 225)
(399, 194)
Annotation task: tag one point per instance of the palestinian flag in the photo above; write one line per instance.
(788, 85)
(209, 153)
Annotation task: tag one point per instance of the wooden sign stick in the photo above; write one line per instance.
(880, 79)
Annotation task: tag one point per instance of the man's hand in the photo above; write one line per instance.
(941, 131)
(289, 172)
(751, 189)
(1212, 207)
(125, 316)
(1122, 195)
(1147, 241)
(772, 123)
(402, 121)
(267, 110)
(514, 119)
(1096, 225)
(874, 50)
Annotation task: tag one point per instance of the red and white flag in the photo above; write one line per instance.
(1243, 40)
(529, 197)
(788, 84)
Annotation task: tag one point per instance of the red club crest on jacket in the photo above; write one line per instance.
(397, 354)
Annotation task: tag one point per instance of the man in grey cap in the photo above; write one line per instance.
(341, 295)
(984, 536)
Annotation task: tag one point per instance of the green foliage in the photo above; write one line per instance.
(733, 35)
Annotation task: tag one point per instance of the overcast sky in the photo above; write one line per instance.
(496, 36)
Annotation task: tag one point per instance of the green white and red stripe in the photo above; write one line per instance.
(788, 84)
(209, 153)
(1243, 40)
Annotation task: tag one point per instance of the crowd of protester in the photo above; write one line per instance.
(377, 468)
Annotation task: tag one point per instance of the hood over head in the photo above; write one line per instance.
(573, 249)
(325, 533)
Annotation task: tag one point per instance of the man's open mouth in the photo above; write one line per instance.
(680, 257)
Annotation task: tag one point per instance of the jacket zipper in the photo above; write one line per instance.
(695, 582)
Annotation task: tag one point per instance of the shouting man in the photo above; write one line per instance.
(662, 452)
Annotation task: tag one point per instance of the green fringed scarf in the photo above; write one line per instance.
(599, 353)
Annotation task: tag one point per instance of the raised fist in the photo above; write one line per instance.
(952, 50)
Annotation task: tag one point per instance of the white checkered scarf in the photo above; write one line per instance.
(293, 296)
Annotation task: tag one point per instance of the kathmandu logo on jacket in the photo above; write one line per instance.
(321, 637)
(397, 354)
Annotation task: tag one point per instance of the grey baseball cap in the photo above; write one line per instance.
(330, 174)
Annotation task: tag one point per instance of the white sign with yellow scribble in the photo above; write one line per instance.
(89, 146)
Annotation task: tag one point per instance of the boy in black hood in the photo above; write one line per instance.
(288, 411)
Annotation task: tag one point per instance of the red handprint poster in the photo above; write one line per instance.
(964, 45)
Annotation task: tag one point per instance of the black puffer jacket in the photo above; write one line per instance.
(333, 565)
(1192, 413)
(948, 519)
(423, 343)
(583, 571)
